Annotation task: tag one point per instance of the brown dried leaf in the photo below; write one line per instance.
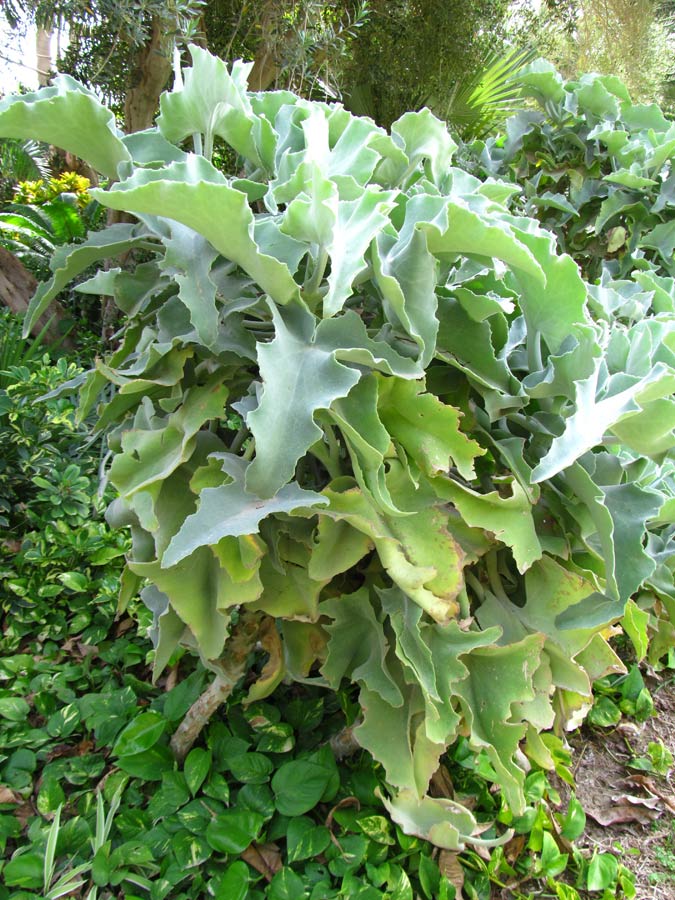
(514, 848)
(346, 801)
(124, 626)
(265, 858)
(7, 795)
(451, 868)
(627, 809)
(24, 813)
(654, 789)
(86, 650)
(441, 784)
(274, 668)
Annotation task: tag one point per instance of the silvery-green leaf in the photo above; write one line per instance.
(232, 510)
(71, 259)
(300, 376)
(197, 195)
(69, 116)
(424, 137)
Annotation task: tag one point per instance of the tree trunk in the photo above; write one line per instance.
(43, 48)
(264, 71)
(153, 69)
(17, 286)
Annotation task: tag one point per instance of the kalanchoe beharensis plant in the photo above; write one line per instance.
(447, 481)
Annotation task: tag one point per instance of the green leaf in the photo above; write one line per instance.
(150, 455)
(602, 872)
(605, 713)
(427, 429)
(552, 861)
(197, 195)
(234, 884)
(429, 876)
(211, 102)
(489, 713)
(68, 261)
(635, 623)
(357, 224)
(286, 885)
(189, 259)
(442, 822)
(305, 839)
(564, 291)
(368, 441)
(75, 581)
(140, 734)
(69, 116)
(424, 137)
(405, 273)
(300, 376)
(574, 820)
(661, 238)
(357, 646)
(233, 830)
(196, 767)
(250, 768)
(471, 232)
(24, 871)
(299, 785)
(231, 510)
(14, 709)
(509, 518)
(592, 418)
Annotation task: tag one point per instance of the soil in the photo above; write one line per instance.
(610, 792)
(629, 813)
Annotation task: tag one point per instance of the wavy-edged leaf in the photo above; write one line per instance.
(357, 647)
(508, 518)
(69, 116)
(368, 441)
(231, 510)
(358, 222)
(213, 101)
(443, 822)
(424, 137)
(585, 428)
(151, 455)
(426, 428)
(489, 711)
(300, 376)
(188, 259)
(70, 260)
(197, 195)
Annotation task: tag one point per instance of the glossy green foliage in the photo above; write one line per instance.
(448, 474)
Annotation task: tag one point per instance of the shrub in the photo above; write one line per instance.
(446, 482)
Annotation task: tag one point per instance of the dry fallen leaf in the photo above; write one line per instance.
(7, 795)
(627, 808)
(265, 858)
(441, 784)
(514, 848)
(24, 813)
(654, 789)
(451, 868)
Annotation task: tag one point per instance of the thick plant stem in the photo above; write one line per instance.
(232, 667)
(344, 744)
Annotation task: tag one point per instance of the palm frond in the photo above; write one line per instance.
(475, 106)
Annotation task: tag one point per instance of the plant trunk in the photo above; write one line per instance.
(43, 50)
(232, 667)
(17, 286)
(153, 70)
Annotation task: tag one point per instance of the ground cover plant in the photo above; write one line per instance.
(365, 416)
